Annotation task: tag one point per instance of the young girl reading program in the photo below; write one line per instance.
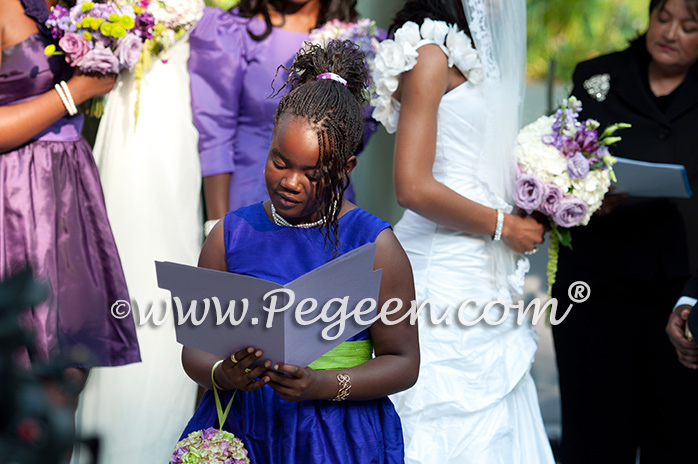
(296, 414)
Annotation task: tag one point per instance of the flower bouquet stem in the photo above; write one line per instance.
(558, 236)
(553, 254)
(94, 107)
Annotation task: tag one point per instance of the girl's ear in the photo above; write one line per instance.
(351, 164)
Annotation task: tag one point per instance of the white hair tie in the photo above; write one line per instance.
(332, 76)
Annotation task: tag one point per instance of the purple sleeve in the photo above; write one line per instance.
(216, 69)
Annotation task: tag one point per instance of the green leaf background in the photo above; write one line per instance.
(570, 31)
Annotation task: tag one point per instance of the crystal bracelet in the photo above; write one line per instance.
(500, 225)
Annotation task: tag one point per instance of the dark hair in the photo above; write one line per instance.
(344, 10)
(334, 111)
(692, 6)
(416, 11)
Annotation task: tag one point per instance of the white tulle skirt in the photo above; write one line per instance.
(475, 400)
(151, 178)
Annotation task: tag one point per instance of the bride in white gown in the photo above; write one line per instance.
(456, 112)
(151, 178)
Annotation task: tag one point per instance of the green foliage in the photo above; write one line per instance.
(570, 31)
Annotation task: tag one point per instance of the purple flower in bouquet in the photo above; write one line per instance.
(74, 46)
(528, 192)
(578, 166)
(570, 212)
(209, 433)
(145, 24)
(587, 141)
(177, 455)
(101, 60)
(551, 199)
(128, 50)
(59, 23)
(569, 147)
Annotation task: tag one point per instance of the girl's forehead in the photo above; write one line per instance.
(296, 139)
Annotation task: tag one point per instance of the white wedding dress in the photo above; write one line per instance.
(151, 178)
(475, 401)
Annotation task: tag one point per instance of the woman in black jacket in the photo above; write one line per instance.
(620, 380)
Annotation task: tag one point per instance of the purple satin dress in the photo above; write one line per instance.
(54, 220)
(233, 100)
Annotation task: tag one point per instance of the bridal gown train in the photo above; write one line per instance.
(152, 185)
(475, 401)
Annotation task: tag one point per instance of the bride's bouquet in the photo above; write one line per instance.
(564, 172)
(100, 38)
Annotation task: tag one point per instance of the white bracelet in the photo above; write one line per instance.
(500, 225)
(69, 97)
(209, 225)
(64, 99)
(59, 90)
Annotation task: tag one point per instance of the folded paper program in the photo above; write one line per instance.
(344, 283)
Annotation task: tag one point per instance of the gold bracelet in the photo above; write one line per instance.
(213, 376)
(344, 387)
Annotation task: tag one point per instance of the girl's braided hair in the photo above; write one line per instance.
(334, 111)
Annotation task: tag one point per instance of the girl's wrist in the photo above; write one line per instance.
(220, 380)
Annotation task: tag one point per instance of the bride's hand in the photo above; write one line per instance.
(521, 234)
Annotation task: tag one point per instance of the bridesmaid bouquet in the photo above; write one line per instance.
(100, 37)
(210, 446)
(363, 32)
(172, 20)
(564, 172)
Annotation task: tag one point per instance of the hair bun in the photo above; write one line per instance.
(341, 58)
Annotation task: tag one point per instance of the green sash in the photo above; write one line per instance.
(345, 355)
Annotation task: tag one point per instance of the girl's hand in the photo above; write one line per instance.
(234, 372)
(295, 383)
(85, 86)
(521, 234)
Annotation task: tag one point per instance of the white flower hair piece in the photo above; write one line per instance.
(398, 55)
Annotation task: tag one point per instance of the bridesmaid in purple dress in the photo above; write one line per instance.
(235, 56)
(53, 214)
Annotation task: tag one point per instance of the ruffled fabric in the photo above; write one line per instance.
(398, 55)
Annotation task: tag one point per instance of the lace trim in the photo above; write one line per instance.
(398, 55)
(483, 37)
